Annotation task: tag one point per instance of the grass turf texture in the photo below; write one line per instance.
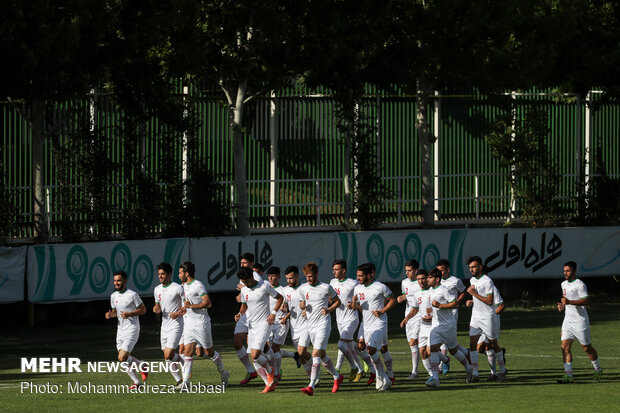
(531, 338)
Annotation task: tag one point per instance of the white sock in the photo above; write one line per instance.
(434, 358)
(415, 356)
(596, 365)
(262, 368)
(387, 358)
(568, 369)
(277, 361)
(491, 357)
(217, 360)
(461, 358)
(173, 368)
(242, 353)
(187, 371)
(132, 372)
(327, 363)
(356, 362)
(366, 357)
(316, 370)
(378, 364)
(473, 355)
(308, 367)
(500, 361)
(287, 354)
(340, 357)
(442, 357)
(427, 365)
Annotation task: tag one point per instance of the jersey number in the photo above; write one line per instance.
(362, 297)
(307, 296)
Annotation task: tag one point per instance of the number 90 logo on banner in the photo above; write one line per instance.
(99, 271)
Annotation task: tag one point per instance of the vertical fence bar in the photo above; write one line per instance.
(436, 154)
(477, 192)
(399, 209)
(318, 200)
(273, 160)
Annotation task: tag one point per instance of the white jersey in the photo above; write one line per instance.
(442, 316)
(194, 292)
(575, 290)
(484, 286)
(344, 289)
(410, 289)
(257, 301)
(425, 307)
(272, 303)
(316, 297)
(497, 298)
(372, 298)
(170, 299)
(455, 286)
(292, 299)
(124, 302)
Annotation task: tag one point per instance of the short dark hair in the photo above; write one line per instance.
(443, 262)
(365, 268)
(248, 256)
(571, 264)
(372, 267)
(274, 270)
(291, 269)
(167, 268)
(423, 272)
(258, 267)
(244, 273)
(122, 273)
(340, 262)
(412, 263)
(474, 258)
(435, 273)
(189, 268)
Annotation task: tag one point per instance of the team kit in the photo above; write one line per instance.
(268, 311)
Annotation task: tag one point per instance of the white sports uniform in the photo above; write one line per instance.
(298, 324)
(483, 315)
(128, 329)
(497, 300)
(278, 330)
(372, 298)
(425, 309)
(576, 323)
(241, 326)
(170, 299)
(347, 319)
(443, 328)
(455, 286)
(258, 309)
(197, 323)
(411, 290)
(319, 326)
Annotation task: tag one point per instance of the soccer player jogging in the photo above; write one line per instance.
(314, 299)
(297, 322)
(279, 329)
(127, 306)
(347, 319)
(443, 328)
(457, 288)
(370, 297)
(498, 304)
(197, 325)
(255, 306)
(241, 326)
(576, 323)
(410, 288)
(482, 319)
(169, 303)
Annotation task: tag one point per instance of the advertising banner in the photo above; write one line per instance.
(12, 274)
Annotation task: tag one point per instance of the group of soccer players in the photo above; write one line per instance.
(268, 310)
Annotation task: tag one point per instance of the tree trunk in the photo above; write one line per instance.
(37, 124)
(425, 140)
(243, 220)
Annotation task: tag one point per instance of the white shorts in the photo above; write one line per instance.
(376, 338)
(360, 333)
(182, 341)
(200, 334)
(302, 337)
(347, 330)
(425, 331)
(170, 336)
(488, 327)
(412, 329)
(127, 340)
(258, 336)
(443, 334)
(580, 332)
(278, 333)
(319, 336)
(242, 325)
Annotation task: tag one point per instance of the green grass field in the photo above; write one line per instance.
(531, 338)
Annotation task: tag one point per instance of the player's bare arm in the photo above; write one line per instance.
(335, 304)
(391, 302)
(408, 317)
(582, 301)
(139, 311)
(110, 314)
(242, 310)
(488, 300)
(157, 308)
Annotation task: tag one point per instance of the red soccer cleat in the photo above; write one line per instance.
(337, 383)
(249, 377)
(308, 390)
(371, 379)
